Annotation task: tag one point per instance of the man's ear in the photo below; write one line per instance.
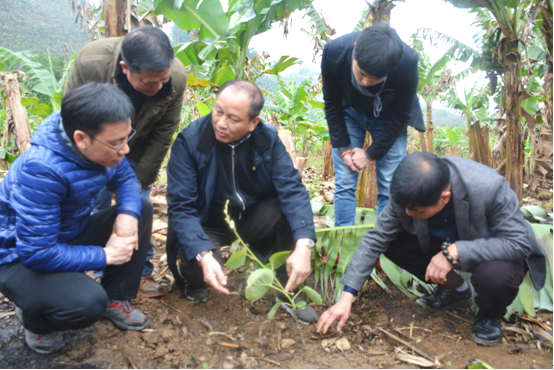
(254, 123)
(446, 195)
(80, 138)
(124, 67)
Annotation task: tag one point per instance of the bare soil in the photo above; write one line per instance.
(230, 332)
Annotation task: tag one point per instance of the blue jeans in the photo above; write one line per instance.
(104, 200)
(346, 180)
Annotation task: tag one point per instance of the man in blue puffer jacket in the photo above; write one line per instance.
(47, 236)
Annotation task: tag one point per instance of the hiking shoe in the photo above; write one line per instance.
(445, 299)
(486, 330)
(41, 343)
(124, 316)
(196, 293)
(305, 315)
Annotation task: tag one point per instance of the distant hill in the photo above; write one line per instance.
(445, 117)
(40, 25)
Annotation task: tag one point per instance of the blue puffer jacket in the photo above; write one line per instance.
(46, 200)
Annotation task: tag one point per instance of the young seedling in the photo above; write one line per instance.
(264, 277)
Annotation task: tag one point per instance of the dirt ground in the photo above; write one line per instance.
(230, 332)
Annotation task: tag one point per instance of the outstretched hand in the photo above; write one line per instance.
(341, 311)
(298, 266)
(213, 273)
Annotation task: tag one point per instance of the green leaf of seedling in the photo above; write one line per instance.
(235, 245)
(448, 363)
(278, 259)
(204, 365)
(271, 313)
(301, 304)
(237, 259)
(258, 283)
(312, 294)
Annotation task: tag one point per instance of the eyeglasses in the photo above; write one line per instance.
(115, 148)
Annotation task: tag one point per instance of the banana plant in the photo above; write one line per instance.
(223, 36)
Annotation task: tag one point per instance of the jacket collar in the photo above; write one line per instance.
(461, 205)
(207, 139)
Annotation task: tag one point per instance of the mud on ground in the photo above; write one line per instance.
(230, 332)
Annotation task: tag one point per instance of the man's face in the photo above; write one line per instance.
(231, 118)
(428, 212)
(147, 82)
(108, 147)
(364, 79)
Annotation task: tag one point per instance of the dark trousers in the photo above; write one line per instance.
(263, 227)
(496, 283)
(60, 301)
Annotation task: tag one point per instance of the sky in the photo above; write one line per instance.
(406, 18)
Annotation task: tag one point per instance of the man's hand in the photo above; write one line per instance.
(347, 158)
(126, 226)
(359, 158)
(213, 274)
(298, 266)
(439, 266)
(119, 250)
(341, 311)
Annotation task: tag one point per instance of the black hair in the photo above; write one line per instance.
(250, 89)
(89, 106)
(147, 47)
(419, 180)
(378, 50)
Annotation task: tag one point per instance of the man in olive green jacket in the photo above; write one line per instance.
(142, 64)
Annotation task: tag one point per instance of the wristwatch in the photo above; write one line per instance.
(307, 241)
(201, 255)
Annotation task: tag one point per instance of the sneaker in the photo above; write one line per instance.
(445, 299)
(196, 293)
(124, 316)
(306, 315)
(486, 330)
(41, 343)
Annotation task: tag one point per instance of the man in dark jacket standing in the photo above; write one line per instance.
(369, 84)
(142, 65)
(450, 214)
(48, 237)
(232, 155)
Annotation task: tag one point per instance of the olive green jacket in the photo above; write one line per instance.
(157, 119)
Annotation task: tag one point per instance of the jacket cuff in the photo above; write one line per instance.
(304, 233)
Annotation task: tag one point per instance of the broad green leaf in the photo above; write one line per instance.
(224, 75)
(42, 110)
(278, 259)
(203, 109)
(300, 304)
(525, 295)
(283, 63)
(271, 313)
(235, 245)
(394, 275)
(534, 211)
(312, 294)
(258, 283)
(29, 101)
(237, 259)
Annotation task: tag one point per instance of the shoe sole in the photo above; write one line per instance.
(289, 310)
(128, 327)
(151, 295)
(461, 304)
(196, 300)
(44, 352)
(483, 342)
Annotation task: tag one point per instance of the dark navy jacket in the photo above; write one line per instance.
(191, 177)
(46, 200)
(400, 104)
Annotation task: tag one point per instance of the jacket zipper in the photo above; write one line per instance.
(234, 181)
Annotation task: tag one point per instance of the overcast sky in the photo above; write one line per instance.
(406, 18)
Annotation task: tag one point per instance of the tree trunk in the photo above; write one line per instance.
(366, 194)
(422, 141)
(430, 143)
(328, 169)
(479, 143)
(514, 145)
(380, 11)
(16, 115)
(115, 17)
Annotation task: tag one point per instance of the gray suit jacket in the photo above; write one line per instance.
(489, 222)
